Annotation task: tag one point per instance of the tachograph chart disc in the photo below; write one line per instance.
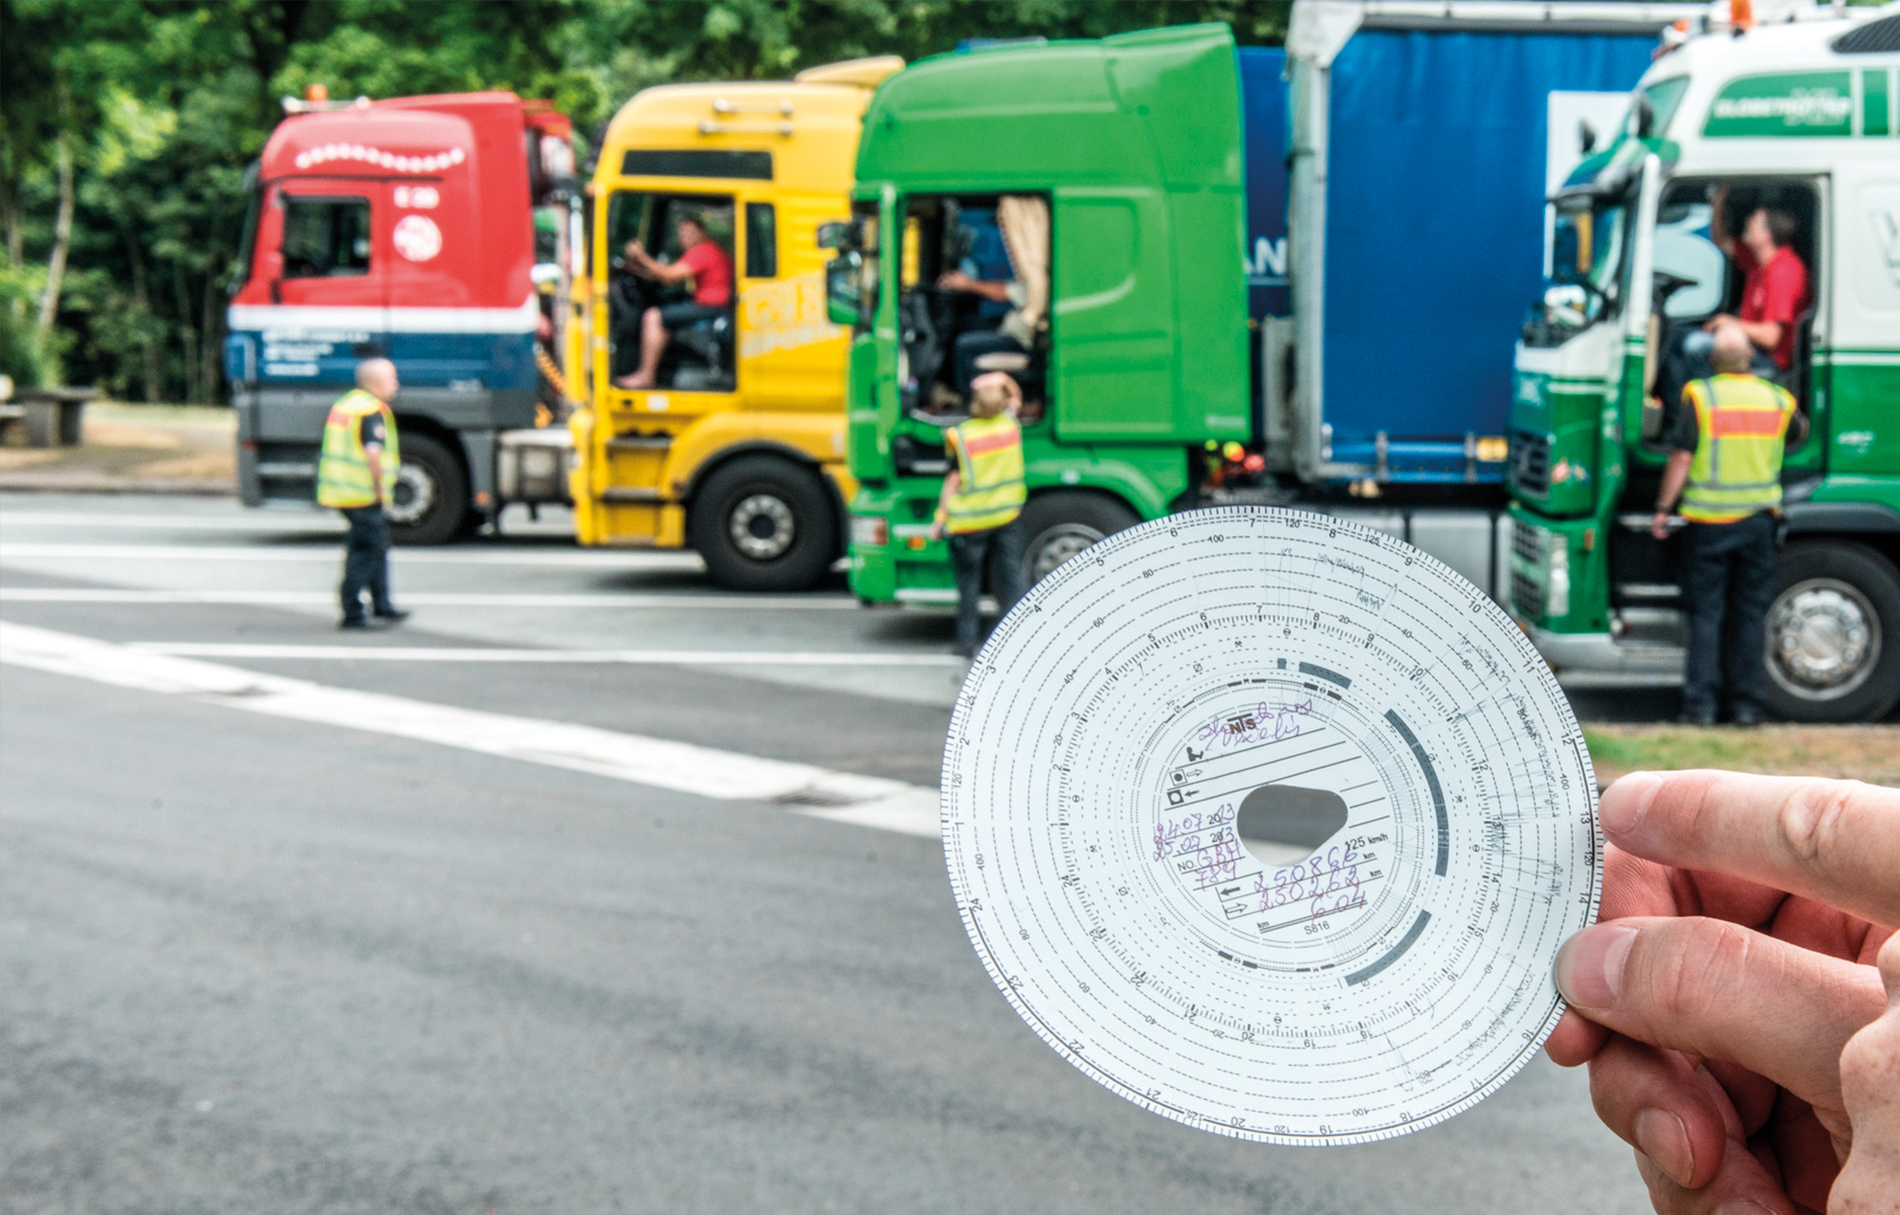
(1273, 824)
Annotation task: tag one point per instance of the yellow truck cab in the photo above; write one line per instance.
(738, 448)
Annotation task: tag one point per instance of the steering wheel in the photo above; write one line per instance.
(1664, 284)
(633, 293)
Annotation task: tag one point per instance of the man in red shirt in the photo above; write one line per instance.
(1775, 291)
(709, 269)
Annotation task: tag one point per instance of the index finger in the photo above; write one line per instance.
(1835, 841)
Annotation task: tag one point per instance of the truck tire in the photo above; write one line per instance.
(431, 498)
(1057, 526)
(1834, 634)
(764, 524)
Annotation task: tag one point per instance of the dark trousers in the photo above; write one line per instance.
(366, 562)
(1000, 549)
(1730, 583)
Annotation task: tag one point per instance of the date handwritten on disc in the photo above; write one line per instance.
(1273, 825)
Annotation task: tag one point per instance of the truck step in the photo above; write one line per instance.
(639, 442)
(627, 494)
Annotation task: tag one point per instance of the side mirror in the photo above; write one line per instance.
(839, 234)
(843, 300)
(1642, 117)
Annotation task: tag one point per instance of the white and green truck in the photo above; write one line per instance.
(1799, 115)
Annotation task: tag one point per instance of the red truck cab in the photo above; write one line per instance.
(403, 228)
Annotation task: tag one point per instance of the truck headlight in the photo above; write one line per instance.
(1557, 586)
(871, 530)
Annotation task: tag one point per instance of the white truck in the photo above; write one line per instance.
(1798, 114)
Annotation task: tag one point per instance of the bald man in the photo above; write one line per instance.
(1725, 466)
(356, 474)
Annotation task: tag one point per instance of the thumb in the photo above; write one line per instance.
(1720, 991)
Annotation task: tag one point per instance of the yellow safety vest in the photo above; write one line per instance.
(990, 488)
(343, 469)
(1736, 472)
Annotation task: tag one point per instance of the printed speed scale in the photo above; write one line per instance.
(1272, 824)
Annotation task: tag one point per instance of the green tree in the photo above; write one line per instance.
(166, 101)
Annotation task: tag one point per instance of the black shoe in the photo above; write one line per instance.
(1691, 718)
(392, 616)
(963, 651)
(357, 623)
(1746, 715)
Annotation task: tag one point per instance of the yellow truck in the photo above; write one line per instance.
(737, 449)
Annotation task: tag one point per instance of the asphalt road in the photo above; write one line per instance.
(256, 961)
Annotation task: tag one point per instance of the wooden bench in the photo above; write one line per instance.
(52, 416)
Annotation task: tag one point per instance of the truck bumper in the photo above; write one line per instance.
(1602, 654)
(896, 562)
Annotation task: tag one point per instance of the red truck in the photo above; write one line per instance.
(408, 228)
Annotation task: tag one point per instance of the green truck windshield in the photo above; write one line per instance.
(1588, 244)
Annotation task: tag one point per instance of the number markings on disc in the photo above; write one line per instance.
(1272, 824)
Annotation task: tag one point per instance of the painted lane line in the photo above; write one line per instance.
(288, 522)
(330, 553)
(607, 599)
(685, 767)
(401, 653)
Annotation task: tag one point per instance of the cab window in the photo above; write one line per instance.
(761, 241)
(698, 354)
(974, 298)
(326, 237)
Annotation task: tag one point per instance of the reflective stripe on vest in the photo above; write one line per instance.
(1740, 421)
(343, 468)
(990, 489)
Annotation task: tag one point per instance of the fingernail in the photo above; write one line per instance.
(1589, 967)
(1743, 1206)
(1664, 1139)
(1625, 802)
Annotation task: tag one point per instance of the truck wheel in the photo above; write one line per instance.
(1834, 634)
(1057, 526)
(431, 497)
(764, 524)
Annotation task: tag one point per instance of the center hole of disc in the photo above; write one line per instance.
(1284, 824)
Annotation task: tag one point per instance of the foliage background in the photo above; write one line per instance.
(160, 105)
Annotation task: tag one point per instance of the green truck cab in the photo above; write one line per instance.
(1120, 161)
(1798, 116)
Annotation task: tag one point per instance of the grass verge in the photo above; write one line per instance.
(1869, 753)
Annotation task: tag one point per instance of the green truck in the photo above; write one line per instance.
(1125, 228)
(1799, 116)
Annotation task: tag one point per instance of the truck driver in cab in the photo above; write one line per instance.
(1775, 289)
(701, 262)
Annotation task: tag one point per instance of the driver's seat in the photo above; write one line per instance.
(1799, 378)
(701, 355)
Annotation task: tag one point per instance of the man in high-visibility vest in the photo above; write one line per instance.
(1725, 466)
(356, 474)
(982, 502)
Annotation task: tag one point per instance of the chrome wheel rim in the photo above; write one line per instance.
(414, 495)
(1057, 545)
(762, 527)
(1823, 639)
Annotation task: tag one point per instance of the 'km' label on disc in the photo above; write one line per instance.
(1273, 824)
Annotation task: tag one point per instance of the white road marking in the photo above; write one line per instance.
(773, 603)
(276, 521)
(330, 553)
(402, 653)
(703, 771)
